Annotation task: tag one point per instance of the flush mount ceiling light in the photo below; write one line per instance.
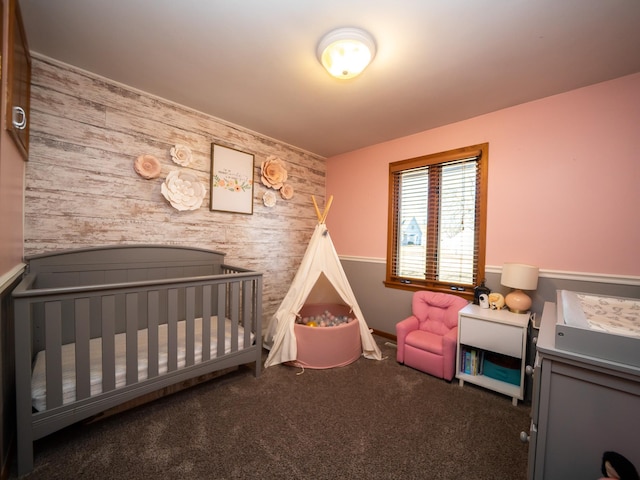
(346, 52)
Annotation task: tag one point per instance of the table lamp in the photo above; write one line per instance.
(521, 277)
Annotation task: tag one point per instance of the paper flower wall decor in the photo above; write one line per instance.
(269, 198)
(286, 191)
(147, 166)
(273, 172)
(183, 190)
(181, 154)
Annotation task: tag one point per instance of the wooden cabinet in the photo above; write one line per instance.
(495, 333)
(582, 406)
(18, 80)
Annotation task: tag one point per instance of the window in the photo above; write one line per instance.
(437, 221)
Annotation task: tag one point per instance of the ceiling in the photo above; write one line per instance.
(253, 62)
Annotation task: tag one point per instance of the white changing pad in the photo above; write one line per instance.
(38, 378)
(607, 314)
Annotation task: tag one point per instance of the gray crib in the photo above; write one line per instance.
(98, 327)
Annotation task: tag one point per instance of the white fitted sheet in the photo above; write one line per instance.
(38, 378)
(605, 314)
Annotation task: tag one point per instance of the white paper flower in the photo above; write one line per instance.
(183, 190)
(181, 154)
(269, 198)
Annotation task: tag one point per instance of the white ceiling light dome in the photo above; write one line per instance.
(346, 52)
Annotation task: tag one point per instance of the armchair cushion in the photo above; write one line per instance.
(437, 312)
(427, 341)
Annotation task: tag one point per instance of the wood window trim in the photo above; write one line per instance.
(465, 291)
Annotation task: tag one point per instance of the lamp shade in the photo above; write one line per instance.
(346, 52)
(520, 276)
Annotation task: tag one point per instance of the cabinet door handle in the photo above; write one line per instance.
(19, 118)
(524, 437)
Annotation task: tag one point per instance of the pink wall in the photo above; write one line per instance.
(11, 195)
(552, 200)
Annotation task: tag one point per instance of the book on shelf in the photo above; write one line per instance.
(471, 361)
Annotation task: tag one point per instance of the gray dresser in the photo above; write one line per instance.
(582, 406)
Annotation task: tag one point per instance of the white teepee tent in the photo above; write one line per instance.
(320, 279)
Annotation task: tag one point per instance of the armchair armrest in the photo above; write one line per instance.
(451, 338)
(402, 329)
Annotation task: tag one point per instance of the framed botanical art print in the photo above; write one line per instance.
(231, 180)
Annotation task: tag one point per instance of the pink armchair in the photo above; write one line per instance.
(427, 339)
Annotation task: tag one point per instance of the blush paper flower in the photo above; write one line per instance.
(286, 191)
(147, 166)
(272, 173)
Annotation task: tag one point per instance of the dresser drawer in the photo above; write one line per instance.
(492, 336)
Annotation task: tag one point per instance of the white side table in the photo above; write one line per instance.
(494, 331)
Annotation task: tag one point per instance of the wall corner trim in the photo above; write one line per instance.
(580, 276)
(7, 278)
(349, 258)
(544, 273)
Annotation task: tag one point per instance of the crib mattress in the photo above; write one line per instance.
(38, 379)
(601, 326)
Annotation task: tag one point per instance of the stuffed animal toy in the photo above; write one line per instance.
(496, 301)
(615, 466)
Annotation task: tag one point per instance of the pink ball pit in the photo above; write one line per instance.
(327, 347)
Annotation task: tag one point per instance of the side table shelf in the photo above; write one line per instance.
(491, 335)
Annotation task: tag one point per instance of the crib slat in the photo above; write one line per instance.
(172, 330)
(222, 314)
(189, 327)
(247, 312)
(53, 343)
(82, 337)
(108, 343)
(234, 314)
(206, 323)
(24, 433)
(257, 322)
(132, 337)
(152, 332)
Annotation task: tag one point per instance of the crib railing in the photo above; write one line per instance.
(75, 315)
(53, 313)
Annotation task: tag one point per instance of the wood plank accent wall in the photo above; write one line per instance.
(82, 190)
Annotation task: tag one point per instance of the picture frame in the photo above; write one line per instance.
(231, 185)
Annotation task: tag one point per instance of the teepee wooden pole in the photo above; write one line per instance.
(322, 216)
(326, 209)
(315, 204)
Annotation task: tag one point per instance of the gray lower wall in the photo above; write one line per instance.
(383, 307)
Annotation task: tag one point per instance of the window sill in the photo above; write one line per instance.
(414, 287)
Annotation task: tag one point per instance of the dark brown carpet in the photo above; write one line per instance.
(369, 420)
